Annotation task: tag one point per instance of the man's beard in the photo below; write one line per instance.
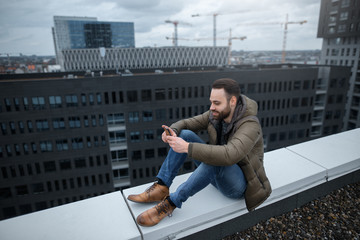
(223, 114)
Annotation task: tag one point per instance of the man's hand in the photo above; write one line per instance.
(177, 144)
(164, 136)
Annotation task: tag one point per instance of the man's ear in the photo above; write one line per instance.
(233, 101)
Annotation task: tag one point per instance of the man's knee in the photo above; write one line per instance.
(187, 134)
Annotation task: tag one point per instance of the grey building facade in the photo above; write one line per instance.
(339, 27)
(144, 58)
(63, 140)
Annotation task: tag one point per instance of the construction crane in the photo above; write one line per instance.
(283, 54)
(175, 30)
(230, 38)
(214, 21)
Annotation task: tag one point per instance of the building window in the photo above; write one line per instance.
(160, 94)
(22, 190)
(297, 85)
(46, 146)
(101, 120)
(77, 143)
(58, 123)
(42, 125)
(74, 122)
(26, 148)
(71, 100)
(116, 118)
(341, 28)
(146, 95)
(62, 145)
(132, 96)
(117, 136)
(65, 164)
(121, 173)
(3, 128)
(161, 114)
(93, 120)
(344, 16)
(149, 153)
(135, 136)
(86, 121)
(17, 104)
(50, 166)
(83, 99)
(162, 152)
(12, 127)
(345, 3)
(91, 99)
(34, 147)
(148, 135)
(88, 141)
(147, 116)
(21, 127)
(80, 163)
(98, 98)
(55, 101)
(26, 103)
(38, 188)
(136, 155)
(251, 88)
(119, 155)
(38, 103)
(133, 117)
(96, 141)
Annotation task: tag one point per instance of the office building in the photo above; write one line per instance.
(339, 27)
(63, 140)
(88, 33)
(144, 58)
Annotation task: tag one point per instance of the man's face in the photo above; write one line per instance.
(220, 105)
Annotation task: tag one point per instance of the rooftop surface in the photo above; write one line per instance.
(291, 171)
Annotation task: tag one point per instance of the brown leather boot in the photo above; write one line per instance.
(155, 214)
(154, 193)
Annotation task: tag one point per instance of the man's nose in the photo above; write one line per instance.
(212, 107)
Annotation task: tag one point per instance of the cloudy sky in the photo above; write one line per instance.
(25, 26)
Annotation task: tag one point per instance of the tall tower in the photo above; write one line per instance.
(339, 27)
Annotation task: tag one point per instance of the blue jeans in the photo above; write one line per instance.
(229, 180)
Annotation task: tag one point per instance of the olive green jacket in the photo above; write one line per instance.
(244, 147)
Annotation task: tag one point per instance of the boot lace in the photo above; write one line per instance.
(164, 207)
(151, 188)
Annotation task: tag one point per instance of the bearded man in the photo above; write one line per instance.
(232, 161)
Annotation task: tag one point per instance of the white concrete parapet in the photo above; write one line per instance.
(290, 170)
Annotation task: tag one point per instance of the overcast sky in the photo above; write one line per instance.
(25, 26)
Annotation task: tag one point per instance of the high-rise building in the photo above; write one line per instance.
(87, 32)
(63, 140)
(339, 26)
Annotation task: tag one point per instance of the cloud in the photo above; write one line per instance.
(32, 20)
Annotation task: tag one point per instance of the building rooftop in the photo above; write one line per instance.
(298, 174)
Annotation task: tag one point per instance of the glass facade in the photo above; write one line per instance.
(94, 34)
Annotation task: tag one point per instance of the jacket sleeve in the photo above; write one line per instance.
(195, 124)
(235, 151)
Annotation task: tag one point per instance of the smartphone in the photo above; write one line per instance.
(167, 131)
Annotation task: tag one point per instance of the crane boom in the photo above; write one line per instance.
(175, 29)
(214, 20)
(283, 54)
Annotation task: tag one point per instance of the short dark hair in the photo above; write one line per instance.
(230, 86)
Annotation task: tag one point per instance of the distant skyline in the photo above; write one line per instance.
(26, 25)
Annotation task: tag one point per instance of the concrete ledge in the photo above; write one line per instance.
(103, 217)
(298, 174)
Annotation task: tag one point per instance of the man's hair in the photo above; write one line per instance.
(230, 86)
